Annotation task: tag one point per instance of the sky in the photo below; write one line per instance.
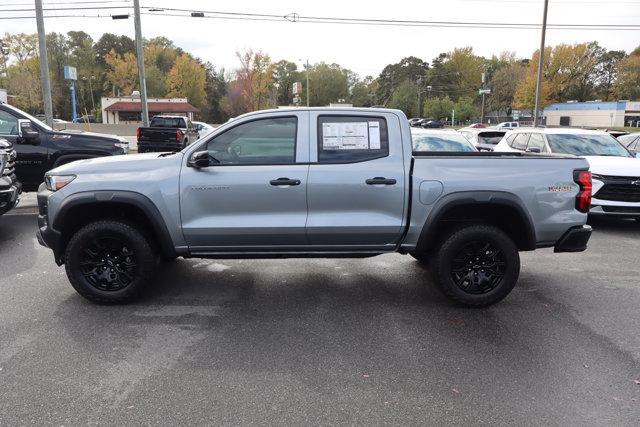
(365, 49)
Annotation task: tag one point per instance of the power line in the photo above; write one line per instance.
(295, 18)
(68, 2)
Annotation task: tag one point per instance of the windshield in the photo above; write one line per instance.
(33, 119)
(586, 145)
(440, 142)
(490, 138)
(167, 122)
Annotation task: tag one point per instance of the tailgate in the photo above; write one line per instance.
(157, 134)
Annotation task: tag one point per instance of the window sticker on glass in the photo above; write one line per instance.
(374, 135)
(345, 136)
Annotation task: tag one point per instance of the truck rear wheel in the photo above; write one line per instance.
(477, 265)
(109, 262)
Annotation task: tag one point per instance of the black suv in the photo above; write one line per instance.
(10, 188)
(40, 148)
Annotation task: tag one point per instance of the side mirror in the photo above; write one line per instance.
(534, 150)
(26, 132)
(199, 159)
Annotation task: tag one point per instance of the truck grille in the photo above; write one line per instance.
(10, 166)
(619, 189)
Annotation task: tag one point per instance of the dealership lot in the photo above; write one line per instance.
(331, 341)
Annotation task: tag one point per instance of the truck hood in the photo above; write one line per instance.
(116, 164)
(614, 166)
(92, 135)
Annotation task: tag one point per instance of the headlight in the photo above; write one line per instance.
(123, 145)
(56, 182)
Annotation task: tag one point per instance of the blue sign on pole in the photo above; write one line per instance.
(74, 113)
(71, 74)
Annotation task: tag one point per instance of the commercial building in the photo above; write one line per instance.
(593, 114)
(127, 109)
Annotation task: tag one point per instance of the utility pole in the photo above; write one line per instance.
(44, 65)
(483, 99)
(306, 67)
(540, 63)
(419, 93)
(140, 55)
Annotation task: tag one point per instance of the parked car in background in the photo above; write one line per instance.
(314, 182)
(10, 187)
(166, 133)
(484, 139)
(477, 126)
(631, 141)
(439, 140)
(616, 172)
(414, 121)
(507, 125)
(432, 124)
(40, 148)
(85, 119)
(203, 128)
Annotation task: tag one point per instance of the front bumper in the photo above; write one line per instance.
(574, 240)
(615, 209)
(46, 235)
(10, 197)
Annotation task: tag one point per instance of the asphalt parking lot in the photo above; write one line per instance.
(323, 341)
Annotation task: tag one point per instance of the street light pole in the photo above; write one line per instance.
(540, 63)
(44, 65)
(306, 67)
(140, 55)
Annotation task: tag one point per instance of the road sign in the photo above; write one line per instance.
(484, 91)
(70, 73)
(297, 88)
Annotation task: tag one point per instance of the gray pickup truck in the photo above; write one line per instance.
(312, 182)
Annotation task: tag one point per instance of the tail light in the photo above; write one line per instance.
(178, 135)
(138, 133)
(583, 199)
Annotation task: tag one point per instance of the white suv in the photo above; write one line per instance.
(508, 125)
(616, 173)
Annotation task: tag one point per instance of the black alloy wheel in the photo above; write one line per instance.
(108, 264)
(110, 261)
(478, 267)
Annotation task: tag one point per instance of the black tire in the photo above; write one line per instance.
(477, 265)
(109, 262)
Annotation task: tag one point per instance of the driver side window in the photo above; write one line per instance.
(8, 124)
(260, 142)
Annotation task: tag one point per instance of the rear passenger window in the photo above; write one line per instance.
(350, 139)
(520, 141)
(536, 141)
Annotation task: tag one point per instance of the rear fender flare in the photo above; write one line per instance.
(497, 198)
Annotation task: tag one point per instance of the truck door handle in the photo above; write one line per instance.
(378, 180)
(284, 181)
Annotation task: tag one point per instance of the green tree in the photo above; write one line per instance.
(607, 73)
(465, 109)
(404, 98)
(395, 75)
(122, 72)
(438, 108)
(627, 85)
(285, 74)
(216, 89)
(187, 79)
(504, 83)
(363, 93)
(327, 83)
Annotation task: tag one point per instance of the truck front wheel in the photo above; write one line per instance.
(477, 265)
(109, 262)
